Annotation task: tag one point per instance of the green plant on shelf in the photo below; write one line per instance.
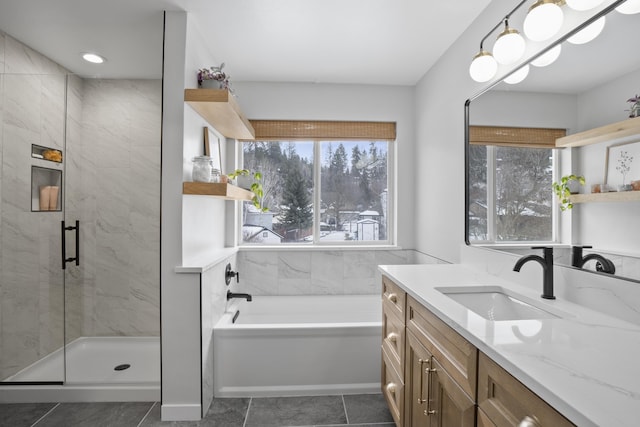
(255, 187)
(563, 191)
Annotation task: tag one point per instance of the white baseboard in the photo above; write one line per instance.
(182, 412)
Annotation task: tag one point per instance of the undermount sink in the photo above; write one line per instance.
(496, 303)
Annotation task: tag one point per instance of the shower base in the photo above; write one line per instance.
(91, 374)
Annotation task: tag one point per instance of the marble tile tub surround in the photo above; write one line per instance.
(604, 293)
(316, 271)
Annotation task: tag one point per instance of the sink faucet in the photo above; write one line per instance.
(231, 295)
(603, 264)
(547, 266)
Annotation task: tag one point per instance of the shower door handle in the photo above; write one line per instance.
(64, 230)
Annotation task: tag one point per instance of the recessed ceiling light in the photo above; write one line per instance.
(93, 58)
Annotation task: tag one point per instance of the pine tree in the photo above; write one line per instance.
(297, 212)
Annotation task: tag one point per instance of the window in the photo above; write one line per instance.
(319, 192)
(510, 194)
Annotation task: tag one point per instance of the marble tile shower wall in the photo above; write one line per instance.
(318, 272)
(31, 292)
(114, 189)
(112, 162)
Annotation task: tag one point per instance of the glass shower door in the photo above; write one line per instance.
(32, 131)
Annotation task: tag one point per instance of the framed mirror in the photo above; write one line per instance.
(511, 159)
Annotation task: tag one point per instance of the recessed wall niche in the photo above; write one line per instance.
(46, 153)
(46, 189)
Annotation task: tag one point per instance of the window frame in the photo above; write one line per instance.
(317, 242)
(492, 216)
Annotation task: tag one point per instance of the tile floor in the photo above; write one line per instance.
(361, 410)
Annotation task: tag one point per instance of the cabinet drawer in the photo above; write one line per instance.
(393, 338)
(393, 297)
(393, 389)
(458, 357)
(506, 401)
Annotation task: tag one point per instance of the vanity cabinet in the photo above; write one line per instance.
(432, 376)
(505, 401)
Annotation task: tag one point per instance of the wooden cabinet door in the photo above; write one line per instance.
(418, 363)
(449, 405)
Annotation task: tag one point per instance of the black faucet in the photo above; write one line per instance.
(231, 295)
(603, 265)
(547, 266)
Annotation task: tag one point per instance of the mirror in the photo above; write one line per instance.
(585, 88)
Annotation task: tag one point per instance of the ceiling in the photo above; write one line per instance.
(325, 41)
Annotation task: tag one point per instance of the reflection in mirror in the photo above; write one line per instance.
(510, 202)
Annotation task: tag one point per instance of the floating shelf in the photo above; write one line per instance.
(610, 132)
(220, 109)
(620, 196)
(225, 191)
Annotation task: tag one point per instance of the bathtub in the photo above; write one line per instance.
(298, 345)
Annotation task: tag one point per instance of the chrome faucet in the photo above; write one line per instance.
(231, 295)
(547, 266)
(603, 265)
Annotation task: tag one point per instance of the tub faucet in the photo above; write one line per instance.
(231, 295)
(603, 265)
(547, 266)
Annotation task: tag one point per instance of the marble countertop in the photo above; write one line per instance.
(585, 364)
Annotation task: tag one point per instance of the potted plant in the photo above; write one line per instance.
(635, 106)
(624, 166)
(565, 188)
(251, 181)
(213, 78)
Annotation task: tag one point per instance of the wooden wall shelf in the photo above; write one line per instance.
(221, 110)
(621, 196)
(610, 132)
(225, 191)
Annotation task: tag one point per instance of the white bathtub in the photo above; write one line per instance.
(298, 345)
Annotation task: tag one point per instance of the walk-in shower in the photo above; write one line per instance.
(79, 232)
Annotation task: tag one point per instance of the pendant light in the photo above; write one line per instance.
(583, 4)
(588, 33)
(548, 57)
(518, 76)
(483, 67)
(509, 46)
(543, 20)
(630, 7)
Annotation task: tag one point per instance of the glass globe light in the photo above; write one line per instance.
(483, 67)
(518, 76)
(583, 4)
(548, 57)
(543, 20)
(588, 33)
(509, 46)
(630, 7)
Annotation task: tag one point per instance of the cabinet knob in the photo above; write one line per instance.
(392, 336)
(529, 422)
(392, 297)
(391, 388)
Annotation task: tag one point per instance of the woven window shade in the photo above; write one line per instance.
(266, 130)
(515, 137)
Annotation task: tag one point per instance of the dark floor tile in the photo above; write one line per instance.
(22, 414)
(367, 408)
(97, 414)
(295, 411)
(361, 425)
(153, 420)
(227, 412)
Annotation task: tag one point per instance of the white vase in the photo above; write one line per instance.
(211, 84)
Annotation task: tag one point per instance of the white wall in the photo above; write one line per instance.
(609, 227)
(308, 101)
(440, 98)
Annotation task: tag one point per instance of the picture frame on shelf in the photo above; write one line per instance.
(212, 147)
(617, 153)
